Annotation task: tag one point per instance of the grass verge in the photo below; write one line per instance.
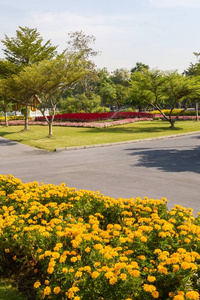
(71, 136)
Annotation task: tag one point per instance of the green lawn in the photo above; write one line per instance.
(7, 292)
(71, 136)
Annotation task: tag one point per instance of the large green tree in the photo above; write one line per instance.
(25, 49)
(7, 69)
(49, 80)
(161, 89)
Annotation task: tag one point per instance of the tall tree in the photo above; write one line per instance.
(49, 80)
(159, 89)
(7, 69)
(194, 70)
(27, 48)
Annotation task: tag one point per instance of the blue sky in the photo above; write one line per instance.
(161, 33)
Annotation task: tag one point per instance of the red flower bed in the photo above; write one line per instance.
(91, 117)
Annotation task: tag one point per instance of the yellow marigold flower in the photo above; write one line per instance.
(71, 270)
(97, 264)
(171, 294)
(65, 270)
(109, 274)
(122, 240)
(78, 274)
(7, 250)
(87, 249)
(36, 284)
(155, 294)
(77, 298)
(142, 257)
(87, 269)
(73, 259)
(149, 288)
(151, 278)
(143, 239)
(134, 273)
(134, 264)
(178, 297)
(162, 270)
(47, 291)
(50, 270)
(181, 293)
(47, 253)
(57, 290)
(123, 276)
(192, 295)
(115, 233)
(112, 280)
(46, 282)
(185, 265)
(176, 268)
(95, 274)
(157, 251)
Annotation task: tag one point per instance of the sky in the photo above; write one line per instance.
(160, 33)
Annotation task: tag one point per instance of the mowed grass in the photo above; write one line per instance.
(37, 136)
(8, 292)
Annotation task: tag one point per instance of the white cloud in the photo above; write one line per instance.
(176, 3)
(111, 31)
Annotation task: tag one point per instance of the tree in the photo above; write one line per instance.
(49, 80)
(6, 102)
(194, 70)
(26, 48)
(7, 69)
(139, 67)
(159, 89)
(108, 93)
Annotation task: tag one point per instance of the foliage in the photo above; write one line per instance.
(27, 47)
(160, 89)
(80, 103)
(175, 112)
(66, 244)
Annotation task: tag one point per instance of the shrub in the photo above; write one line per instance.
(176, 112)
(69, 244)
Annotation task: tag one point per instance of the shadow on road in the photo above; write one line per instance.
(169, 160)
(4, 142)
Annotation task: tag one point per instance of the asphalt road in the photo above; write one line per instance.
(167, 168)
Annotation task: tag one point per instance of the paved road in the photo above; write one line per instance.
(161, 168)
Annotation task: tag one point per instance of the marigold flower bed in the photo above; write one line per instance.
(60, 243)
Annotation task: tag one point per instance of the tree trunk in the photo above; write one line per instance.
(50, 123)
(197, 111)
(6, 118)
(172, 121)
(26, 119)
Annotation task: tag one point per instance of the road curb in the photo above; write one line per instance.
(125, 142)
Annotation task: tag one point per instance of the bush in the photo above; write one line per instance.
(14, 118)
(176, 112)
(69, 244)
